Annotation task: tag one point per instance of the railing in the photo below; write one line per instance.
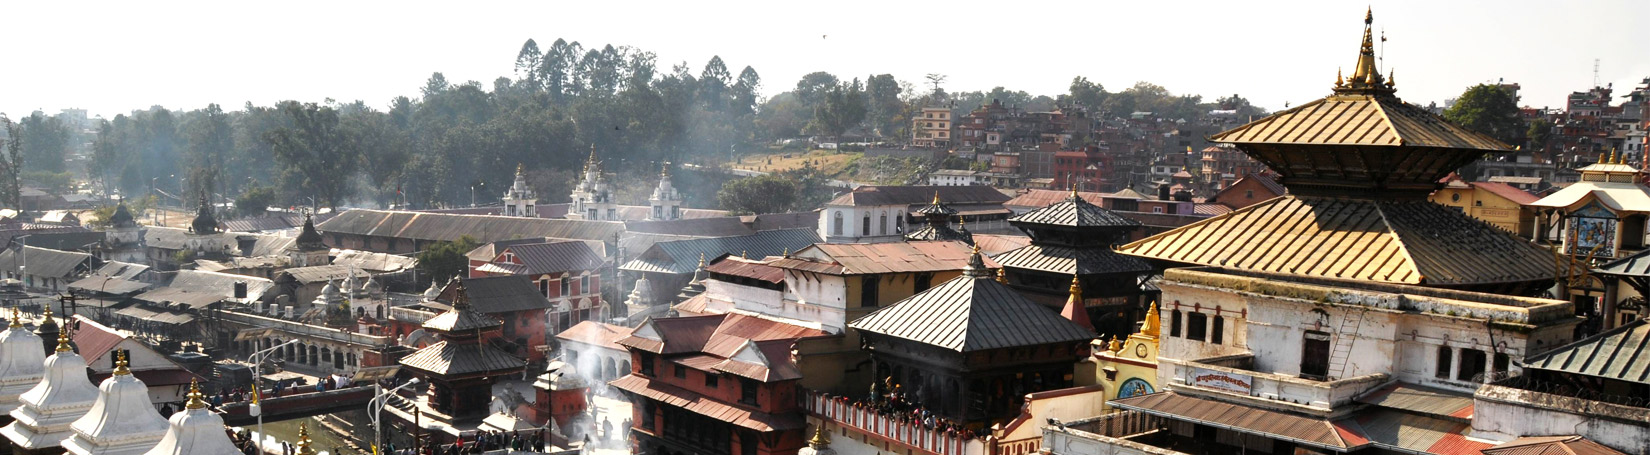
(1319, 395)
(410, 315)
(305, 330)
(910, 433)
(1118, 424)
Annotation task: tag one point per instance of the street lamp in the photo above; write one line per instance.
(375, 407)
(257, 360)
(473, 193)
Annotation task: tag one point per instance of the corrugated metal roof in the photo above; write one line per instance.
(1622, 353)
(444, 227)
(596, 333)
(1413, 242)
(1395, 430)
(1636, 265)
(1075, 212)
(1359, 120)
(324, 273)
(969, 314)
(456, 359)
(1508, 192)
(704, 227)
(498, 294)
(43, 262)
(867, 195)
(992, 245)
(673, 335)
(708, 407)
(1316, 432)
(121, 270)
(1619, 196)
(748, 269)
(1424, 400)
(556, 257)
(108, 285)
(876, 258)
(220, 283)
(1043, 198)
(682, 256)
(1067, 261)
(461, 316)
(373, 262)
(1552, 445)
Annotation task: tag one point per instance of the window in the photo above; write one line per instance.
(1446, 359)
(646, 361)
(1197, 325)
(1218, 332)
(1174, 323)
(868, 285)
(1249, 194)
(584, 284)
(922, 282)
(1315, 355)
(1501, 361)
(836, 224)
(565, 285)
(865, 225)
(710, 380)
(1472, 365)
(882, 225)
(747, 391)
(679, 371)
(544, 286)
(1157, 209)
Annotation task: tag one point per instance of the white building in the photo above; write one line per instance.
(666, 202)
(22, 363)
(123, 422)
(958, 177)
(592, 198)
(520, 200)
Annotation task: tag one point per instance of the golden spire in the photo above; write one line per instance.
(1365, 76)
(664, 169)
(197, 400)
(16, 319)
(121, 363)
(1073, 188)
(63, 341)
(1150, 327)
(1392, 78)
(303, 440)
(1612, 158)
(1338, 82)
(742, 254)
(1002, 277)
(787, 252)
(701, 260)
(820, 439)
(1116, 344)
(519, 168)
(936, 197)
(48, 317)
(1076, 289)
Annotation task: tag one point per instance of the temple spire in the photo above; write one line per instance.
(196, 399)
(1366, 77)
(1075, 310)
(121, 363)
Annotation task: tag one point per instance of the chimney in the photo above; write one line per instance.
(1163, 192)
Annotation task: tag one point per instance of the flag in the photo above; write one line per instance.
(375, 449)
(254, 394)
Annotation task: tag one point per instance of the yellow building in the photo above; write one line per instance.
(1124, 368)
(932, 128)
(1496, 203)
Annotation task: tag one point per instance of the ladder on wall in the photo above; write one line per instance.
(1342, 351)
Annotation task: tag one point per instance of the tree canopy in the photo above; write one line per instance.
(1490, 110)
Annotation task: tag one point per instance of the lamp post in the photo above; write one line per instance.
(375, 407)
(257, 360)
(473, 193)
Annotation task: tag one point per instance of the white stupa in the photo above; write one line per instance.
(62, 397)
(195, 431)
(22, 363)
(123, 422)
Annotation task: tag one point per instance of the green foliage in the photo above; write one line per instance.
(137, 207)
(316, 152)
(758, 195)
(842, 108)
(45, 142)
(443, 260)
(11, 167)
(1489, 110)
(255, 201)
(54, 182)
(210, 140)
(1540, 131)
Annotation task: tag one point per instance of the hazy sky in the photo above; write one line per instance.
(112, 57)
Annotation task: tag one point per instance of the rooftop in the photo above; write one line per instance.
(970, 313)
(875, 258)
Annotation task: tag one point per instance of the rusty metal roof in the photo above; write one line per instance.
(1363, 120)
(1075, 212)
(1066, 261)
(992, 245)
(458, 359)
(673, 335)
(1277, 424)
(596, 333)
(1422, 400)
(867, 195)
(875, 258)
(1412, 242)
(682, 256)
(1552, 445)
(968, 314)
(556, 257)
(1042, 198)
(1412, 433)
(747, 268)
(707, 406)
(1622, 353)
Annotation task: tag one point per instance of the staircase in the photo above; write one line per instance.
(1342, 351)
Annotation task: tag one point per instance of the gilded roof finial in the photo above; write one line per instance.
(742, 254)
(1150, 327)
(701, 260)
(1392, 78)
(16, 319)
(1366, 76)
(787, 253)
(1076, 289)
(1338, 82)
(1002, 277)
(1073, 188)
(820, 439)
(121, 363)
(303, 441)
(197, 400)
(1612, 158)
(520, 168)
(63, 341)
(936, 197)
(664, 169)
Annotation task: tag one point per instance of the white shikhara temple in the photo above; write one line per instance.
(54, 407)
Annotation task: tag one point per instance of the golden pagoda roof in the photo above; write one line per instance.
(1408, 242)
(1360, 120)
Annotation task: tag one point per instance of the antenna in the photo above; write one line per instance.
(1594, 71)
(1382, 58)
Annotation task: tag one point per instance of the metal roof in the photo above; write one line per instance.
(868, 195)
(499, 294)
(556, 257)
(1277, 424)
(1412, 433)
(1413, 242)
(445, 227)
(121, 270)
(992, 245)
(1043, 198)
(875, 258)
(108, 285)
(1636, 265)
(1074, 211)
(324, 273)
(682, 256)
(702, 227)
(1552, 445)
(46, 262)
(707, 406)
(596, 333)
(939, 232)
(372, 261)
(461, 316)
(1363, 120)
(220, 283)
(969, 314)
(1622, 353)
(672, 335)
(1066, 261)
(456, 359)
(1618, 196)
(1422, 400)
(748, 269)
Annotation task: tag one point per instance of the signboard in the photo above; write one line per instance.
(1134, 387)
(1218, 380)
(1592, 232)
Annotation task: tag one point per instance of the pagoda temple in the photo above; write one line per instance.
(970, 349)
(310, 249)
(461, 369)
(123, 422)
(22, 363)
(1359, 165)
(62, 397)
(938, 216)
(195, 430)
(1074, 238)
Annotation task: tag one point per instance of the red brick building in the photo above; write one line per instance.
(715, 384)
(513, 299)
(1087, 167)
(567, 273)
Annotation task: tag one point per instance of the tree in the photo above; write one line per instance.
(315, 151)
(811, 90)
(1541, 131)
(45, 142)
(528, 63)
(1085, 93)
(843, 108)
(757, 195)
(1489, 110)
(255, 200)
(210, 138)
(882, 94)
(444, 260)
(11, 168)
(744, 91)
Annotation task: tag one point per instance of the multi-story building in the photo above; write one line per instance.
(1496, 203)
(873, 214)
(932, 127)
(566, 273)
(1085, 168)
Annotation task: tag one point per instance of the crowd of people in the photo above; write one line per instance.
(479, 442)
(890, 400)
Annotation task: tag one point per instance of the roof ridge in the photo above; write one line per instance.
(1403, 247)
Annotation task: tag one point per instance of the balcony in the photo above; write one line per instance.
(1118, 433)
(898, 429)
(1229, 376)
